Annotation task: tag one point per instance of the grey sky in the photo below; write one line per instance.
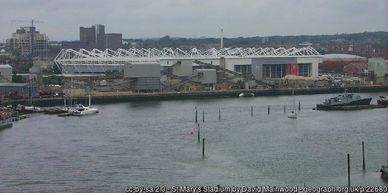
(196, 18)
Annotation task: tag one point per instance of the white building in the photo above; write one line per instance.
(378, 67)
(5, 73)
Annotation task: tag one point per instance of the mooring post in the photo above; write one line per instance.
(199, 134)
(251, 111)
(196, 115)
(363, 156)
(269, 110)
(203, 116)
(284, 108)
(348, 171)
(219, 114)
(299, 106)
(203, 147)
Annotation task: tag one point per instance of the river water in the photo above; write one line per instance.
(155, 143)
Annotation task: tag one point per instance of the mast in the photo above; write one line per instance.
(293, 96)
(71, 90)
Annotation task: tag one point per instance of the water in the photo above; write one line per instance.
(155, 143)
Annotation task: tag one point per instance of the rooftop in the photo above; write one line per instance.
(6, 84)
(153, 54)
(5, 66)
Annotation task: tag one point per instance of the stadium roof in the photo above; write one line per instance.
(135, 54)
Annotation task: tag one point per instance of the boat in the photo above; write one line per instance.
(56, 110)
(81, 110)
(246, 94)
(343, 100)
(5, 120)
(7, 123)
(384, 172)
(292, 114)
(383, 100)
(28, 109)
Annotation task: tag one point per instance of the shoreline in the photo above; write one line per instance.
(126, 97)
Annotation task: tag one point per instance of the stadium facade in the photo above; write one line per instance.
(260, 63)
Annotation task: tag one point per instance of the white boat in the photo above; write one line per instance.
(28, 109)
(80, 110)
(292, 114)
(84, 111)
(246, 94)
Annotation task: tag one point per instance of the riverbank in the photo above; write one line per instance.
(130, 97)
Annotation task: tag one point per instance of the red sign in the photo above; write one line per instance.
(293, 69)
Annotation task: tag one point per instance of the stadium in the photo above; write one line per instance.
(260, 63)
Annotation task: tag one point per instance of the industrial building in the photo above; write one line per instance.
(5, 73)
(377, 68)
(205, 76)
(343, 64)
(18, 90)
(143, 76)
(255, 63)
(29, 42)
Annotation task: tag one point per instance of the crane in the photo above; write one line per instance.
(32, 21)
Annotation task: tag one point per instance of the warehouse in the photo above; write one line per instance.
(18, 90)
(143, 76)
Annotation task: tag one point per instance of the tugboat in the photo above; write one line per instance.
(383, 100)
(343, 100)
(384, 172)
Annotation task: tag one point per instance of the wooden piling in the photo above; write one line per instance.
(196, 115)
(199, 134)
(251, 111)
(299, 106)
(269, 110)
(219, 114)
(284, 108)
(203, 116)
(363, 156)
(203, 147)
(348, 170)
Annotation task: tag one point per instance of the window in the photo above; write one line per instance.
(245, 70)
(304, 69)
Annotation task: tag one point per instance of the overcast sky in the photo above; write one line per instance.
(61, 19)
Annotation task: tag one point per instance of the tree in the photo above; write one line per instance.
(17, 78)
